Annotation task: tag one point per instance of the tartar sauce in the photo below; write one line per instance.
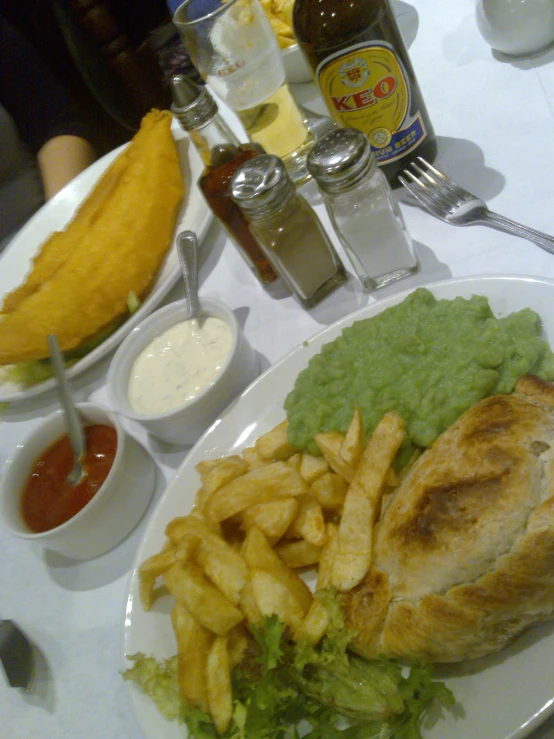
(179, 364)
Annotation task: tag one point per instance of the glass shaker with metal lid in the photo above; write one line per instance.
(222, 154)
(289, 231)
(362, 207)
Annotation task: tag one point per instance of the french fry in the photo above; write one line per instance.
(274, 445)
(205, 465)
(311, 468)
(285, 37)
(220, 562)
(295, 461)
(330, 443)
(189, 525)
(185, 549)
(218, 684)
(309, 523)
(148, 573)
(298, 554)
(329, 490)
(327, 558)
(193, 645)
(279, 13)
(274, 598)
(191, 587)
(283, 8)
(259, 555)
(275, 480)
(248, 604)
(362, 503)
(181, 526)
(223, 566)
(200, 500)
(237, 644)
(272, 518)
(354, 441)
(313, 626)
(228, 469)
(252, 458)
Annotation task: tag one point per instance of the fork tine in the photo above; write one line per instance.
(418, 191)
(442, 189)
(446, 180)
(433, 193)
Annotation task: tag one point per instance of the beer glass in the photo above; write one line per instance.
(233, 46)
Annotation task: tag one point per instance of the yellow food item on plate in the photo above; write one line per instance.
(115, 244)
(237, 556)
(59, 245)
(279, 13)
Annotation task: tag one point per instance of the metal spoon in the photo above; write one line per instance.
(187, 248)
(72, 421)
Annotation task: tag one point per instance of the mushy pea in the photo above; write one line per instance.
(427, 359)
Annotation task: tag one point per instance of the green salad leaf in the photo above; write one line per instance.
(285, 690)
(32, 373)
(158, 679)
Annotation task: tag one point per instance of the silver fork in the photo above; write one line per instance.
(446, 200)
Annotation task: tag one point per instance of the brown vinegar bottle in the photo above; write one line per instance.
(222, 154)
(366, 77)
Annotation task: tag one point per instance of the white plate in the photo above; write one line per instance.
(54, 215)
(502, 697)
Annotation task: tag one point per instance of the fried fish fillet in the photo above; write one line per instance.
(59, 245)
(464, 554)
(114, 246)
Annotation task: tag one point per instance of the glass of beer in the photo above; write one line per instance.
(234, 48)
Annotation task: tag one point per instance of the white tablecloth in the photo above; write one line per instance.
(495, 124)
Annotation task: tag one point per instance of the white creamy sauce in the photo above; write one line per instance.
(179, 364)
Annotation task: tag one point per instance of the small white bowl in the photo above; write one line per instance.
(113, 511)
(516, 27)
(297, 68)
(184, 424)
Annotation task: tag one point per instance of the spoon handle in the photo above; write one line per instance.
(187, 248)
(74, 426)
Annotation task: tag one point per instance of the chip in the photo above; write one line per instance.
(193, 645)
(274, 445)
(218, 684)
(362, 503)
(272, 518)
(206, 603)
(261, 485)
(275, 599)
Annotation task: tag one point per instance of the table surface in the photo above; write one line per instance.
(494, 117)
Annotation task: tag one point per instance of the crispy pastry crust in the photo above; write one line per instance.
(464, 553)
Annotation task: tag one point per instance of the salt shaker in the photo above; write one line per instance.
(288, 230)
(362, 208)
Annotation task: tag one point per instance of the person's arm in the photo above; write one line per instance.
(44, 113)
(61, 159)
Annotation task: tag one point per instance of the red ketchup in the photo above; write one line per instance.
(48, 499)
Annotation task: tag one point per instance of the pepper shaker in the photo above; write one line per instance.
(288, 230)
(362, 208)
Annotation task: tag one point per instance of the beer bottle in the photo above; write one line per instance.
(366, 77)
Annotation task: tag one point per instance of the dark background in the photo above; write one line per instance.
(105, 53)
